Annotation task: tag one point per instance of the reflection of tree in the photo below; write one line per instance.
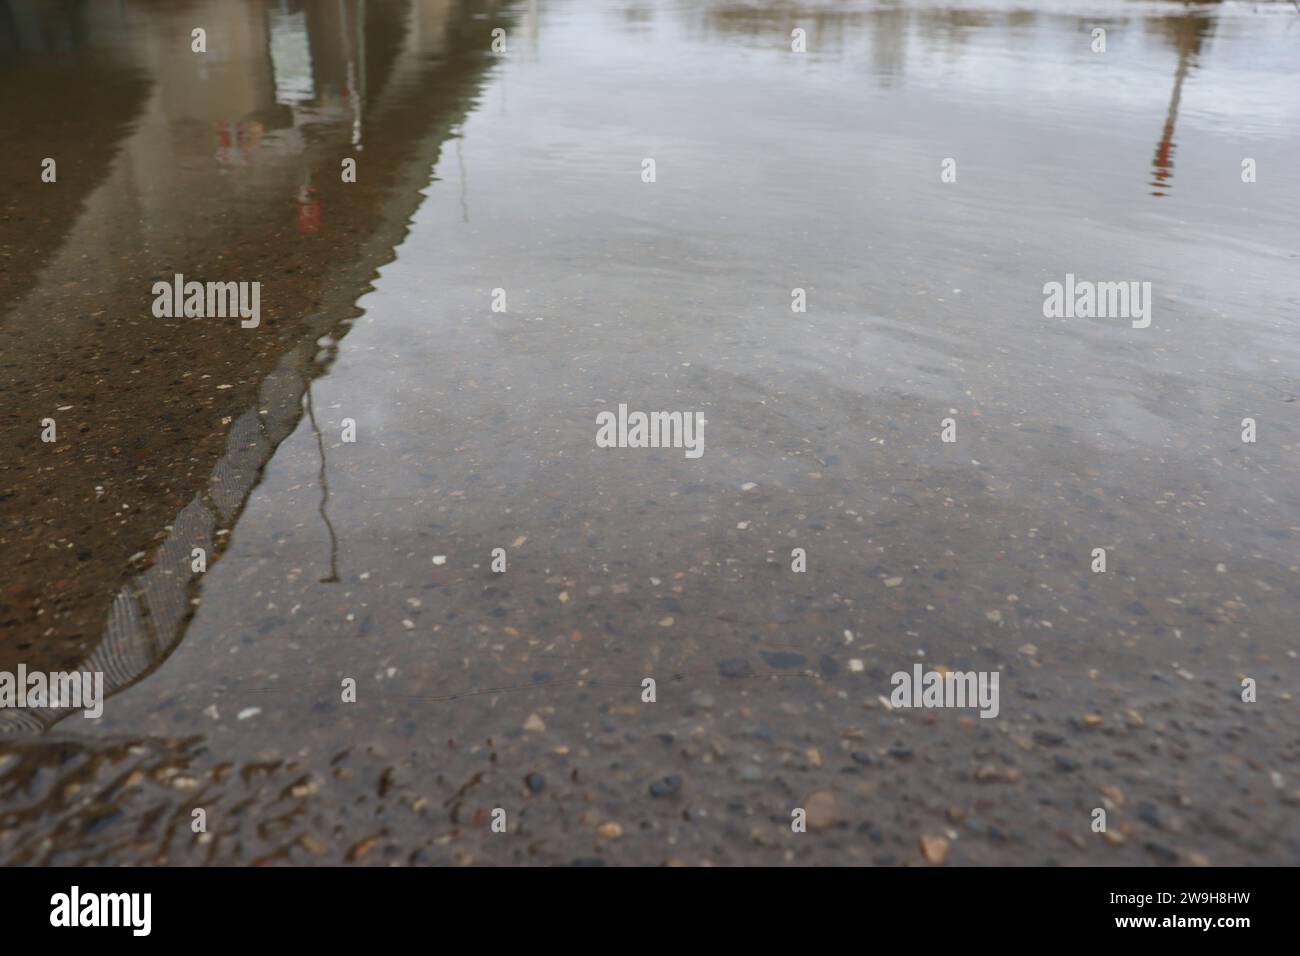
(1187, 35)
(887, 29)
(955, 27)
(333, 577)
(828, 30)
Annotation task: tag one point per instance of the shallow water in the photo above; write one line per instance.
(370, 560)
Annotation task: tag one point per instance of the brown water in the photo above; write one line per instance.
(370, 560)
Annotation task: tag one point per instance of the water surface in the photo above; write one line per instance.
(475, 430)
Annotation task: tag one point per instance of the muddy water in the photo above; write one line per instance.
(333, 561)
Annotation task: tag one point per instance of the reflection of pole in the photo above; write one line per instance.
(354, 93)
(1188, 32)
(361, 56)
(324, 495)
(309, 208)
(460, 161)
(1164, 162)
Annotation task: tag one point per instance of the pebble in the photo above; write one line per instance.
(1162, 853)
(822, 809)
(361, 848)
(934, 848)
(1148, 814)
(703, 699)
(535, 782)
(313, 845)
(783, 659)
(669, 786)
(534, 723)
(610, 831)
(735, 667)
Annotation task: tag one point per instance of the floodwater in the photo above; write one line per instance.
(349, 679)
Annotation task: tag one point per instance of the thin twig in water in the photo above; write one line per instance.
(324, 495)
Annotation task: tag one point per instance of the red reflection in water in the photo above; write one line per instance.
(309, 210)
(236, 141)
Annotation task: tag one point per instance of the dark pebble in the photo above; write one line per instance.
(873, 832)
(1149, 815)
(667, 787)
(735, 667)
(535, 781)
(103, 821)
(783, 658)
(1161, 853)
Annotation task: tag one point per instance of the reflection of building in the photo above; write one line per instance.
(291, 57)
(283, 83)
(216, 165)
